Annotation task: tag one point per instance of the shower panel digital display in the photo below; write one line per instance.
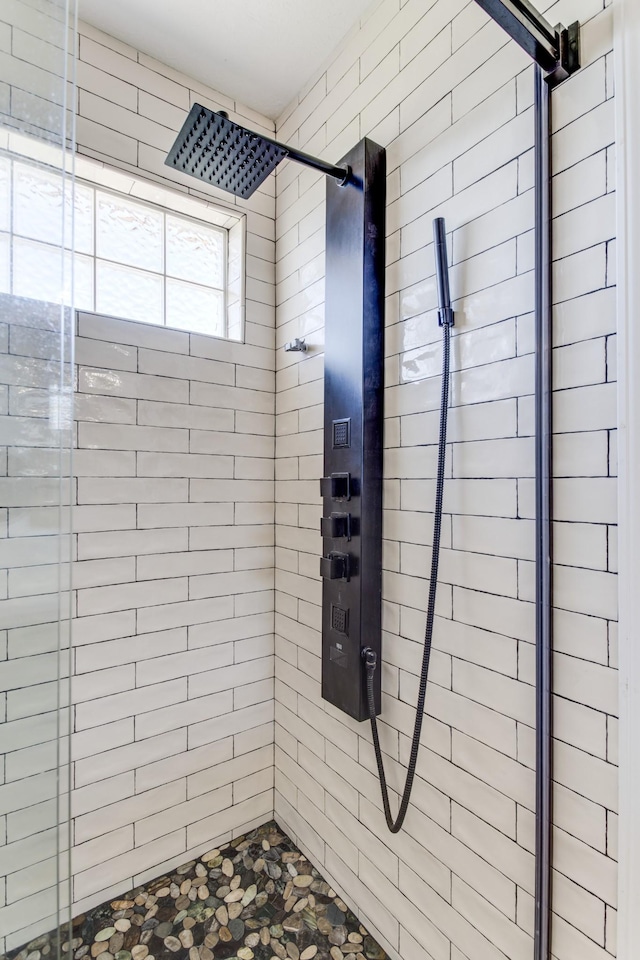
(351, 526)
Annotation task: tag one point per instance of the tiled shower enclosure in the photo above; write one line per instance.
(190, 518)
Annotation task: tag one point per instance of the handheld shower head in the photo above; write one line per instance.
(445, 313)
(226, 155)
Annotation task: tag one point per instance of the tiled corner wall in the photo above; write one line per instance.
(173, 689)
(173, 602)
(438, 84)
(202, 438)
(187, 728)
(173, 641)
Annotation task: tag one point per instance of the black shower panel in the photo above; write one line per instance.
(351, 564)
(213, 148)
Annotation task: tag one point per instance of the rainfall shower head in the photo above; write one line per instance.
(226, 155)
(213, 148)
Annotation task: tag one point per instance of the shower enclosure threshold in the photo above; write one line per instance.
(259, 897)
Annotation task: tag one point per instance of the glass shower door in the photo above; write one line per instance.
(36, 488)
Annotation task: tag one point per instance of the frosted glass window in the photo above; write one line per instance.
(37, 204)
(5, 194)
(132, 294)
(128, 232)
(37, 211)
(5, 274)
(37, 271)
(195, 252)
(133, 259)
(191, 307)
(38, 274)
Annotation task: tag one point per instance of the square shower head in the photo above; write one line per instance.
(222, 153)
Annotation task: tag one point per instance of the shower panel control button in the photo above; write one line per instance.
(337, 486)
(337, 526)
(335, 566)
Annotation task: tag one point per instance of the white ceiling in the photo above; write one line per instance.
(260, 52)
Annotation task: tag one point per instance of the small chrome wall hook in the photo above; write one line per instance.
(296, 346)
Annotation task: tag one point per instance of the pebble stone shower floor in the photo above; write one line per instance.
(257, 898)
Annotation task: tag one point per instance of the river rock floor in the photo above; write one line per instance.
(257, 898)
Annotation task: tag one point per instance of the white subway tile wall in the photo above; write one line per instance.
(173, 657)
(174, 507)
(439, 85)
(173, 550)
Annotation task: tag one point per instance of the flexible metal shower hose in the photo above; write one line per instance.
(369, 655)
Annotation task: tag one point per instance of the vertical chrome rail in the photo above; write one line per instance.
(544, 514)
